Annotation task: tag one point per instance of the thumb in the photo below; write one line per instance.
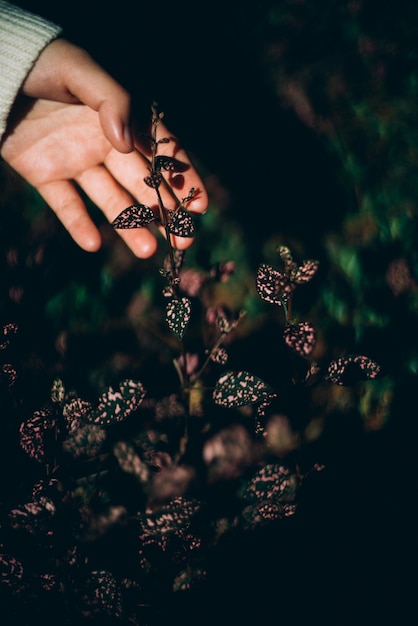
(115, 125)
(65, 72)
(94, 87)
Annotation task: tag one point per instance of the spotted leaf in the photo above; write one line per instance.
(85, 442)
(8, 331)
(154, 180)
(272, 285)
(11, 570)
(129, 460)
(74, 410)
(178, 257)
(241, 388)
(101, 595)
(220, 355)
(287, 259)
(178, 316)
(134, 216)
(115, 405)
(58, 391)
(304, 272)
(36, 433)
(270, 494)
(168, 164)
(9, 373)
(181, 223)
(352, 368)
(300, 337)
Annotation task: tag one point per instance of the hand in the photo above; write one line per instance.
(74, 130)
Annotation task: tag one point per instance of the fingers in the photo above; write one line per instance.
(185, 176)
(112, 199)
(113, 176)
(120, 183)
(131, 170)
(181, 181)
(65, 201)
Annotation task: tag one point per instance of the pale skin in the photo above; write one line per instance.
(74, 127)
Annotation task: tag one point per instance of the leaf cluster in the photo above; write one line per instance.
(130, 490)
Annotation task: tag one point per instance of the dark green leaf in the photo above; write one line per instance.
(181, 224)
(8, 330)
(272, 285)
(154, 180)
(178, 316)
(304, 272)
(115, 405)
(300, 337)
(352, 368)
(169, 164)
(235, 389)
(134, 216)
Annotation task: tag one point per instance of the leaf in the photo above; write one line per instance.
(102, 595)
(300, 337)
(134, 216)
(352, 368)
(154, 180)
(9, 373)
(34, 432)
(287, 259)
(58, 391)
(169, 164)
(272, 285)
(178, 316)
(181, 223)
(85, 442)
(274, 480)
(178, 256)
(220, 355)
(8, 330)
(304, 272)
(11, 570)
(175, 516)
(241, 388)
(116, 405)
(33, 516)
(129, 460)
(74, 410)
(271, 495)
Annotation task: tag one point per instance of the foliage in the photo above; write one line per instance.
(130, 485)
(348, 71)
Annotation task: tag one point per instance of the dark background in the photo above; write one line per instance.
(202, 63)
(347, 556)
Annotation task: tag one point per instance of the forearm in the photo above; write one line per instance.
(23, 36)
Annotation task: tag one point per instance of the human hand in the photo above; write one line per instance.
(75, 131)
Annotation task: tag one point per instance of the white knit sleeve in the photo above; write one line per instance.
(23, 36)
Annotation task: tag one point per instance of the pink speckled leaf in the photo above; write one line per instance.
(352, 368)
(134, 216)
(300, 337)
(235, 389)
(178, 316)
(272, 285)
(181, 224)
(115, 405)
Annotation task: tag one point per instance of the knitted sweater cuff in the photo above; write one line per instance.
(23, 36)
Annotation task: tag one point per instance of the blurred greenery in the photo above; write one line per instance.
(348, 71)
